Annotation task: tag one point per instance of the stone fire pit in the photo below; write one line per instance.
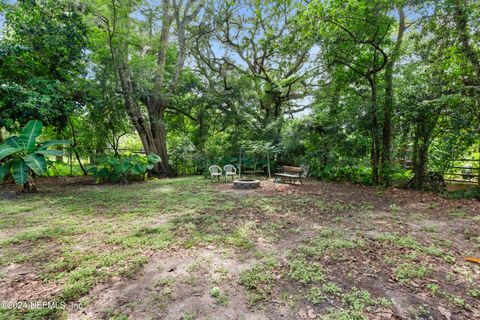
(246, 184)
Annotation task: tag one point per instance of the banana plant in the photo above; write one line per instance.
(21, 155)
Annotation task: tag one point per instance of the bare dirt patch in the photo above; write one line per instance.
(175, 285)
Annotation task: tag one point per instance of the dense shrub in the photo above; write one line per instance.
(132, 168)
(472, 193)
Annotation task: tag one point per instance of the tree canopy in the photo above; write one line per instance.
(352, 90)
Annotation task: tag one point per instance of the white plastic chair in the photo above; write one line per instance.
(215, 171)
(230, 171)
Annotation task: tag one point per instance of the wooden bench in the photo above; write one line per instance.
(290, 173)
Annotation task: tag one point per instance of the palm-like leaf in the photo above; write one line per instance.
(13, 141)
(23, 154)
(29, 134)
(49, 152)
(20, 171)
(47, 144)
(4, 170)
(6, 150)
(36, 162)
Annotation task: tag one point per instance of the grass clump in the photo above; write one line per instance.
(410, 243)
(218, 296)
(146, 237)
(316, 295)
(352, 304)
(259, 280)
(305, 271)
(35, 314)
(455, 213)
(40, 233)
(331, 241)
(406, 272)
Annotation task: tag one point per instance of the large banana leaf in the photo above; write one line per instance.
(29, 134)
(50, 152)
(4, 169)
(6, 150)
(37, 163)
(13, 141)
(20, 171)
(47, 144)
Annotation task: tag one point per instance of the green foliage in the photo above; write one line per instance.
(21, 155)
(62, 62)
(132, 168)
(471, 193)
(41, 58)
(184, 156)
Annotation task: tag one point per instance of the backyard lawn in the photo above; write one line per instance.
(185, 248)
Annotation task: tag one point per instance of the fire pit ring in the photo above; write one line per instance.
(246, 184)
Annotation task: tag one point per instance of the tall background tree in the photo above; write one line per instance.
(260, 42)
(148, 60)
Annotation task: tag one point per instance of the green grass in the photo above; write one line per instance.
(86, 234)
(408, 242)
(332, 241)
(407, 272)
(350, 305)
(218, 296)
(79, 237)
(259, 280)
(305, 271)
(455, 213)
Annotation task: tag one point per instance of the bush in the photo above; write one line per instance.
(132, 168)
(357, 174)
(184, 156)
(472, 193)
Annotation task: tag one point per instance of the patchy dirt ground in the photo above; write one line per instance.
(189, 249)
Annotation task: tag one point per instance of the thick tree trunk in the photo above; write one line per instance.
(133, 111)
(159, 135)
(389, 102)
(152, 132)
(424, 126)
(201, 133)
(402, 153)
(420, 166)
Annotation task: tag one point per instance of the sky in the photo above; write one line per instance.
(2, 20)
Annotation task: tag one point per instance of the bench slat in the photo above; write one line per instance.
(287, 175)
(291, 169)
